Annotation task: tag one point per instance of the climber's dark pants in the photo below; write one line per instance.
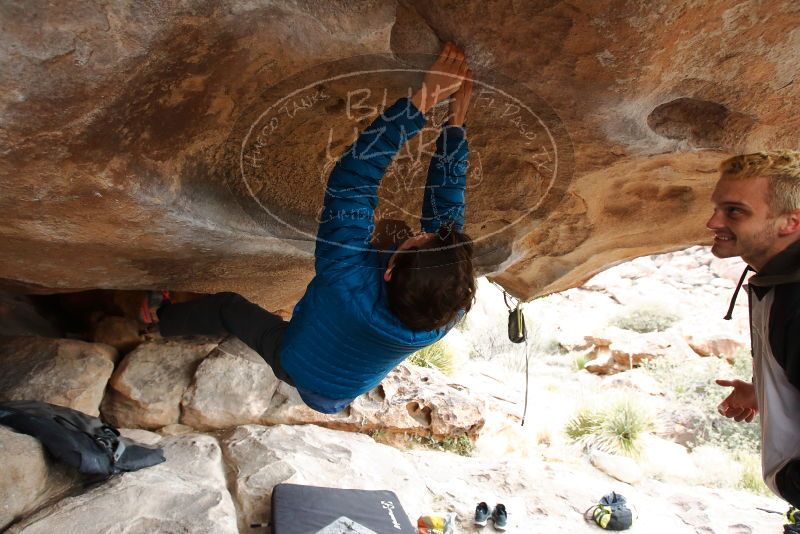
(228, 313)
(788, 482)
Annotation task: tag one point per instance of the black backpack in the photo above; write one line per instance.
(77, 439)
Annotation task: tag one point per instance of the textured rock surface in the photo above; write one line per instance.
(206, 386)
(59, 371)
(187, 493)
(148, 384)
(29, 479)
(19, 317)
(122, 333)
(410, 399)
(716, 345)
(247, 381)
(121, 130)
(307, 454)
(618, 350)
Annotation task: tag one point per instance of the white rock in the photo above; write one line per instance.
(620, 467)
(666, 460)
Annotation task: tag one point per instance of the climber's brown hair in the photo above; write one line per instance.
(431, 284)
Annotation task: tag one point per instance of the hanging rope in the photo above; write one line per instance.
(517, 333)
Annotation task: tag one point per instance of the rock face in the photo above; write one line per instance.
(122, 333)
(207, 385)
(247, 381)
(187, 493)
(126, 132)
(410, 400)
(29, 480)
(266, 456)
(59, 371)
(620, 350)
(148, 384)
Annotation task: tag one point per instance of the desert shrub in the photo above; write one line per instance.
(552, 346)
(460, 445)
(581, 360)
(614, 428)
(690, 386)
(438, 356)
(751, 473)
(645, 318)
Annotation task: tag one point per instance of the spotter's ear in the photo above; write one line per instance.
(791, 224)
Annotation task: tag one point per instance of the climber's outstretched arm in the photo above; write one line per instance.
(347, 216)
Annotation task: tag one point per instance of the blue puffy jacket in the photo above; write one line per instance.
(342, 339)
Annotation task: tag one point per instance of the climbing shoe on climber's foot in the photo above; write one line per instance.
(150, 305)
(482, 514)
(500, 517)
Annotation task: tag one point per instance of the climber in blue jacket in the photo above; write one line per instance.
(366, 310)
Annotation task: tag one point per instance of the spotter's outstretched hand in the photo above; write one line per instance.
(741, 404)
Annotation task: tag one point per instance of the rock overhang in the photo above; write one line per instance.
(124, 132)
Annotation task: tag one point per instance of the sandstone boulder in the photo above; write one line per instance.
(187, 493)
(308, 454)
(148, 384)
(97, 173)
(122, 333)
(410, 399)
(720, 346)
(20, 317)
(232, 386)
(619, 350)
(29, 477)
(665, 460)
(622, 468)
(636, 380)
(59, 371)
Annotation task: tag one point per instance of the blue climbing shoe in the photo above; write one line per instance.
(482, 514)
(500, 517)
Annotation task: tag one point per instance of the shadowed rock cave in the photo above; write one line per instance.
(186, 145)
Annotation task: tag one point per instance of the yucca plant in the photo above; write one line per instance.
(614, 428)
(438, 356)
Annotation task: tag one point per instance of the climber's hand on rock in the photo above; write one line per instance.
(442, 79)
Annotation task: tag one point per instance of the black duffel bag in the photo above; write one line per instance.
(77, 439)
